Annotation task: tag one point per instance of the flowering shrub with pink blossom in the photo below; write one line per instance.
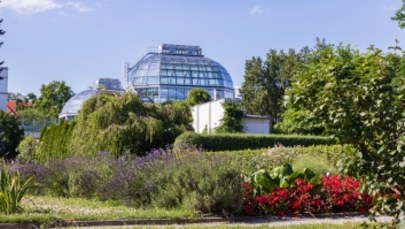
(299, 194)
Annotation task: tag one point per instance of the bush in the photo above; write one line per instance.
(27, 149)
(206, 183)
(10, 135)
(222, 142)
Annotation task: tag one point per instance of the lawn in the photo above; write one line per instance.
(43, 209)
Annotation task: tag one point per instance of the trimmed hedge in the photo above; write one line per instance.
(223, 142)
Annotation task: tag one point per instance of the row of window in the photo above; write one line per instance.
(182, 81)
(177, 94)
(180, 73)
(185, 66)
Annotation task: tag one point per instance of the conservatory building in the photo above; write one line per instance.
(169, 73)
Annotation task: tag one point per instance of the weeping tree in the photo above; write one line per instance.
(124, 124)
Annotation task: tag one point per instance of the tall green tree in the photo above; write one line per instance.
(198, 96)
(265, 82)
(2, 32)
(360, 99)
(53, 96)
(400, 16)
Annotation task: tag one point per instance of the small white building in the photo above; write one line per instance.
(3, 88)
(208, 116)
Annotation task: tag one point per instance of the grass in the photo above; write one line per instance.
(45, 209)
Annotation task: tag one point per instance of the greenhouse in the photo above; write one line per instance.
(169, 73)
(73, 105)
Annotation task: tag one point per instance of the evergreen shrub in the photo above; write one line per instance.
(54, 141)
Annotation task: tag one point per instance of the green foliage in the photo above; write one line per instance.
(264, 181)
(266, 80)
(359, 98)
(55, 141)
(53, 96)
(198, 96)
(121, 124)
(27, 149)
(12, 190)
(232, 120)
(2, 32)
(400, 16)
(206, 183)
(299, 122)
(10, 135)
(221, 142)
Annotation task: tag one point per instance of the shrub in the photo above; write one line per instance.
(12, 190)
(54, 141)
(10, 135)
(207, 183)
(27, 149)
(222, 142)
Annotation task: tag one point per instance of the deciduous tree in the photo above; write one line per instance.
(53, 96)
(359, 98)
(266, 80)
(198, 96)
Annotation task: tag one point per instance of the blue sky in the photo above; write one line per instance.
(78, 41)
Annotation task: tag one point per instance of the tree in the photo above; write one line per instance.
(124, 124)
(53, 96)
(232, 120)
(265, 81)
(2, 32)
(10, 135)
(359, 98)
(198, 96)
(400, 16)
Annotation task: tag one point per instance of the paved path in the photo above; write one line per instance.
(264, 221)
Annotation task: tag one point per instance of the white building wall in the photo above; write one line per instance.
(3, 88)
(256, 125)
(207, 116)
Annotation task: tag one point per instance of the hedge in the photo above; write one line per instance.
(223, 142)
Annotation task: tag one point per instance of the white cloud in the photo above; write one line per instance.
(257, 9)
(79, 7)
(37, 6)
(29, 6)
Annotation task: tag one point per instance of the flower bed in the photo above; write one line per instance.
(283, 192)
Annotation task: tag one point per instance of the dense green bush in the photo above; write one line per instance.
(10, 135)
(54, 141)
(221, 142)
(27, 149)
(207, 183)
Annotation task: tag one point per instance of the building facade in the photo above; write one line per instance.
(207, 117)
(169, 73)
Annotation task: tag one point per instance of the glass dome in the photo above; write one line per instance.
(172, 71)
(74, 104)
